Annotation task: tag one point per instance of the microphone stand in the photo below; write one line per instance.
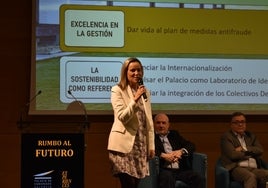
(86, 123)
(22, 114)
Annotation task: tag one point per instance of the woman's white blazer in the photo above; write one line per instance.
(125, 126)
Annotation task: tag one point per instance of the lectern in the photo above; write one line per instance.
(53, 159)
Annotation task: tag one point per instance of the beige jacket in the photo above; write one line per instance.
(230, 157)
(125, 126)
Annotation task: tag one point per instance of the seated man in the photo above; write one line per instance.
(175, 154)
(241, 152)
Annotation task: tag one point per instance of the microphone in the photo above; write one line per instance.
(144, 94)
(83, 107)
(38, 93)
(24, 107)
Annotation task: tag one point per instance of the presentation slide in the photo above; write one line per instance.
(197, 59)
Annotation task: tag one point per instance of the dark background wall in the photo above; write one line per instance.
(15, 49)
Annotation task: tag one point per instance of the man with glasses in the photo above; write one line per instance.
(241, 154)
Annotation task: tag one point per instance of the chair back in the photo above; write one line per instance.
(223, 179)
(199, 165)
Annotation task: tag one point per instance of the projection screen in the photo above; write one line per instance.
(199, 57)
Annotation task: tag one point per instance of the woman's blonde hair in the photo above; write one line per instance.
(123, 79)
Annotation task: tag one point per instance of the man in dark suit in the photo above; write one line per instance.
(175, 153)
(241, 152)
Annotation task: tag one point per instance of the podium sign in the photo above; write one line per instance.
(52, 161)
